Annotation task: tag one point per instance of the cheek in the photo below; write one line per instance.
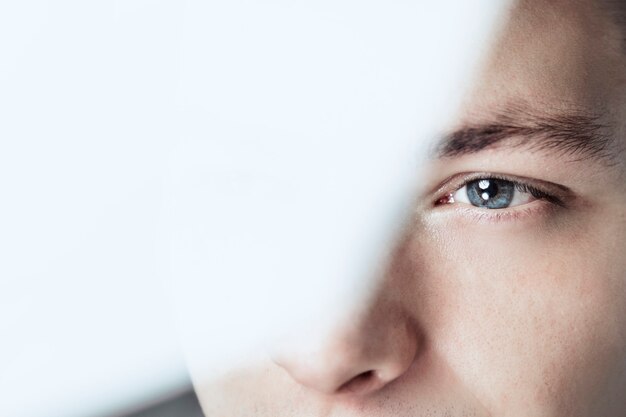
(521, 317)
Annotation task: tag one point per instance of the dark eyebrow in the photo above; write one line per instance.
(574, 134)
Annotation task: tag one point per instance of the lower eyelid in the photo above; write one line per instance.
(536, 209)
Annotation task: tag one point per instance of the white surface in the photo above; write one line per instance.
(307, 124)
(254, 98)
(86, 105)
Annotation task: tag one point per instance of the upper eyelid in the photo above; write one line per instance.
(457, 181)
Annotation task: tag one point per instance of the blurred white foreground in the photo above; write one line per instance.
(290, 135)
(306, 124)
(87, 115)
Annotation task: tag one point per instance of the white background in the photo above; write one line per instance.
(100, 101)
(87, 94)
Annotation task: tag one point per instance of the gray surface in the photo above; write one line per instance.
(184, 405)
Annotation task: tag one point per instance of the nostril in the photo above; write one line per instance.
(360, 384)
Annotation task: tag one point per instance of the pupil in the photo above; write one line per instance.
(489, 188)
(490, 193)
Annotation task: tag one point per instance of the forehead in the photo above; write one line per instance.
(553, 54)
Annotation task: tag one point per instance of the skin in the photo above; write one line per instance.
(478, 314)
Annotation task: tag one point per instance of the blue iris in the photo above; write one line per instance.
(490, 193)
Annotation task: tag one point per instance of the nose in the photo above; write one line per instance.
(360, 355)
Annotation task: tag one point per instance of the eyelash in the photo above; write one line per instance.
(505, 214)
(537, 193)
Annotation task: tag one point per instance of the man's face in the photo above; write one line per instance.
(506, 296)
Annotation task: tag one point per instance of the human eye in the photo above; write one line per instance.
(499, 196)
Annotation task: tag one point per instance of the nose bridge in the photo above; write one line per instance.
(358, 353)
